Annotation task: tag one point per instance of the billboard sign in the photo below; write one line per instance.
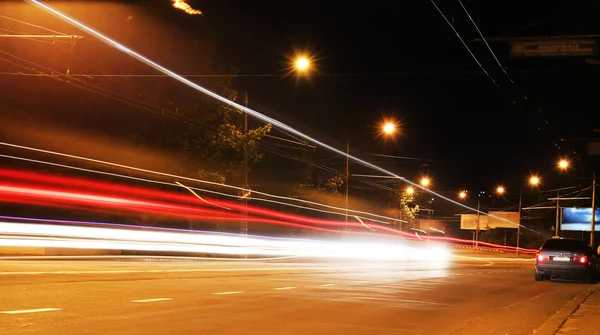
(500, 220)
(593, 148)
(579, 219)
(434, 226)
(469, 222)
(554, 48)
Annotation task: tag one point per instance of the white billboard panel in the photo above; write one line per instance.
(469, 222)
(510, 220)
(503, 220)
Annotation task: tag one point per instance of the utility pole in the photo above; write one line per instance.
(245, 196)
(477, 230)
(557, 213)
(593, 223)
(519, 222)
(347, 177)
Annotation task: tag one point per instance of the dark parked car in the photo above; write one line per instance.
(566, 258)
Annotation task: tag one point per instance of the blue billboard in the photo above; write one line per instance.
(579, 218)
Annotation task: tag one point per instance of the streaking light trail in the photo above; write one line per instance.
(37, 189)
(23, 187)
(362, 214)
(445, 240)
(252, 112)
(44, 235)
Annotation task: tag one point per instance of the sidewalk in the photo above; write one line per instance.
(585, 319)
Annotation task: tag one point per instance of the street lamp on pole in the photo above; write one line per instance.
(564, 164)
(301, 65)
(533, 181)
(388, 128)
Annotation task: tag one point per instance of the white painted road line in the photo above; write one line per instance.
(285, 288)
(327, 285)
(224, 293)
(152, 300)
(23, 311)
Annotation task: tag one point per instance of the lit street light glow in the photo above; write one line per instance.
(425, 181)
(534, 180)
(410, 190)
(462, 194)
(389, 128)
(563, 164)
(500, 190)
(302, 64)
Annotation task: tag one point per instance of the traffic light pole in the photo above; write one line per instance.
(593, 223)
(519, 222)
(477, 230)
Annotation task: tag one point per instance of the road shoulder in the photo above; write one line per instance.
(576, 316)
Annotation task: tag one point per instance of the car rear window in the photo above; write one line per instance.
(564, 245)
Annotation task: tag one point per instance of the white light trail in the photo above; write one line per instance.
(199, 197)
(57, 236)
(250, 111)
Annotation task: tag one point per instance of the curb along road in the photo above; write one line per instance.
(553, 324)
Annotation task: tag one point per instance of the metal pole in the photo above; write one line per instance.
(245, 222)
(593, 223)
(557, 213)
(477, 230)
(519, 222)
(347, 177)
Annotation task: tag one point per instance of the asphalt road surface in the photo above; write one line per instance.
(466, 296)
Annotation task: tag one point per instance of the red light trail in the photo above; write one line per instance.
(31, 188)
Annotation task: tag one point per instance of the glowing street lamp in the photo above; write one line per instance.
(462, 194)
(302, 64)
(563, 164)
(425, 181)
(500, 190)
(534, 180)
(389, 128)
(410, 190)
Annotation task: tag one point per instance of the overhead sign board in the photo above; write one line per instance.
(491, 221)
(434, 226)
(579, 219)
(593, 148)
(554, 48)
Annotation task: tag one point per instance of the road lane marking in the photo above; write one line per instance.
(152, 300)
(327, 285)
(24, 311)
(225, 293)
(285, 288)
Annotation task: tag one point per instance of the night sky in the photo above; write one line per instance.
(380, 60)
(402, 59)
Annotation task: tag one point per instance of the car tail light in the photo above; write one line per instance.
(583, 259)
(539, 258)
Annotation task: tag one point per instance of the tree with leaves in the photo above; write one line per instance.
(408, 208)
(216, 142)
(334, 183)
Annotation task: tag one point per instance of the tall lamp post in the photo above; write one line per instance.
(564, 164)
(387, 129)
(301, 66)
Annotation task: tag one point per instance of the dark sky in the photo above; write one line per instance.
(402, 59)
(374, 60)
